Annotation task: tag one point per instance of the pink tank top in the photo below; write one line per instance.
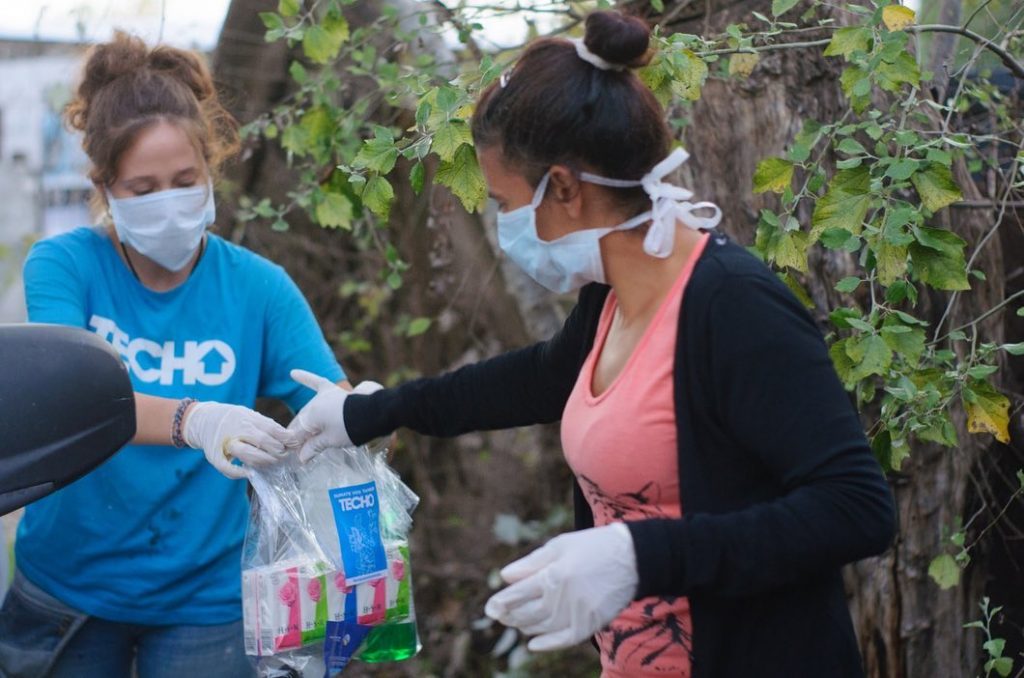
(621, 445)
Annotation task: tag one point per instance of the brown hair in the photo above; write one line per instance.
(556, 108)
(127, 87)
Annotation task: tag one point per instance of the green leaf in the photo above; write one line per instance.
(907, 342)
(785, 248)
(1013, 349)
(416, 177)
(851, 146)
(898, 453)
(378, 196)
(335, 211)
(988, 410)
(449, 138)
(847, 285)
(843, 364)
(845, 204)
(902, 170)
(860, 324)
(1003, 666)
(418, 327)
(891, 74)
(805, 140)
(994, 647)
(840, 238)
(938, 257)
(463, 176)
(288, 8)
(295, 139)
(378, 154)
(936, 187)
(298, 73)
(870, 355)
(271, 21)
(944, 571)
(798, 290)
(773, 174)
(846, 41)
(780, 7)
(856, 84)
(321, 43)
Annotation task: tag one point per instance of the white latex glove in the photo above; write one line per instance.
(321, 423)
(226, 432)
(570, 588)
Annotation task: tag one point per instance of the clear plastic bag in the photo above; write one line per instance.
(325, 565)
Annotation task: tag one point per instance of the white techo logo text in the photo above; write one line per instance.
(210, 362)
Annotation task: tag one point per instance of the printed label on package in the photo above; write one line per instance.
(357, 518)
(342, 641)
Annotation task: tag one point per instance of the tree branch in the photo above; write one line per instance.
(1015, 67)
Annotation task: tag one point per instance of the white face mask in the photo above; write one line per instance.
(574, 260)
(166, 226)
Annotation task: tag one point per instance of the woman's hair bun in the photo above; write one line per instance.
(618, 38)
(106, 63)
(128, 56)
(185, 66)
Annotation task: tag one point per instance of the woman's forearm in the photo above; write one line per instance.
(154, 417)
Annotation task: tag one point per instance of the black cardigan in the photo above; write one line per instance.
(778, 485)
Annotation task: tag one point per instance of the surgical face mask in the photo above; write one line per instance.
(574, 260)
(166, 226)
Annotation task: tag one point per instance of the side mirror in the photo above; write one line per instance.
(66, 405)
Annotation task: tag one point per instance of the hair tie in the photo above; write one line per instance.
(593, 59)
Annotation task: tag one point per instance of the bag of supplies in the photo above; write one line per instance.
(325, 565)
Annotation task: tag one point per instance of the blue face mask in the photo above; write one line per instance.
(568, 263)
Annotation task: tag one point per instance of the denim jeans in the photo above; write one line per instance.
(41, 636)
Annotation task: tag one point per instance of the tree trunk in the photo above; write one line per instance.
(907, 627)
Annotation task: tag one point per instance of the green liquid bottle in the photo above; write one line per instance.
(397, 638)
(391, 643)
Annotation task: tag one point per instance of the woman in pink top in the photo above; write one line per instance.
(722, 474)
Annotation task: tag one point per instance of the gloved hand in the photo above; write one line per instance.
(226, 432)
(570, 588)
(321, 423)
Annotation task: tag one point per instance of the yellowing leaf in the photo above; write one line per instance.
(322, 42)
(944, 571)
(463, 176)
(743, 64)
(897, 17)
(845, 204)
(846, 41)
(449, 138)
(688, 74)
(335, 211)
(773, 174)
(378, 196)
(936, 187)
(891, 261)
(288, 8)
(988, 410)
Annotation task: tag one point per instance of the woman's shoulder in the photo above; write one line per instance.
(73, 248)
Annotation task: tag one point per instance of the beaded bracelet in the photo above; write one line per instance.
(179, 415)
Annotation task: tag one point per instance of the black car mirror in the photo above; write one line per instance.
(66, 406)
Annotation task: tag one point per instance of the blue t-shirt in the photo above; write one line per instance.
(154, 535)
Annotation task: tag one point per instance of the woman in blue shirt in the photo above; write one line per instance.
(138, 563)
